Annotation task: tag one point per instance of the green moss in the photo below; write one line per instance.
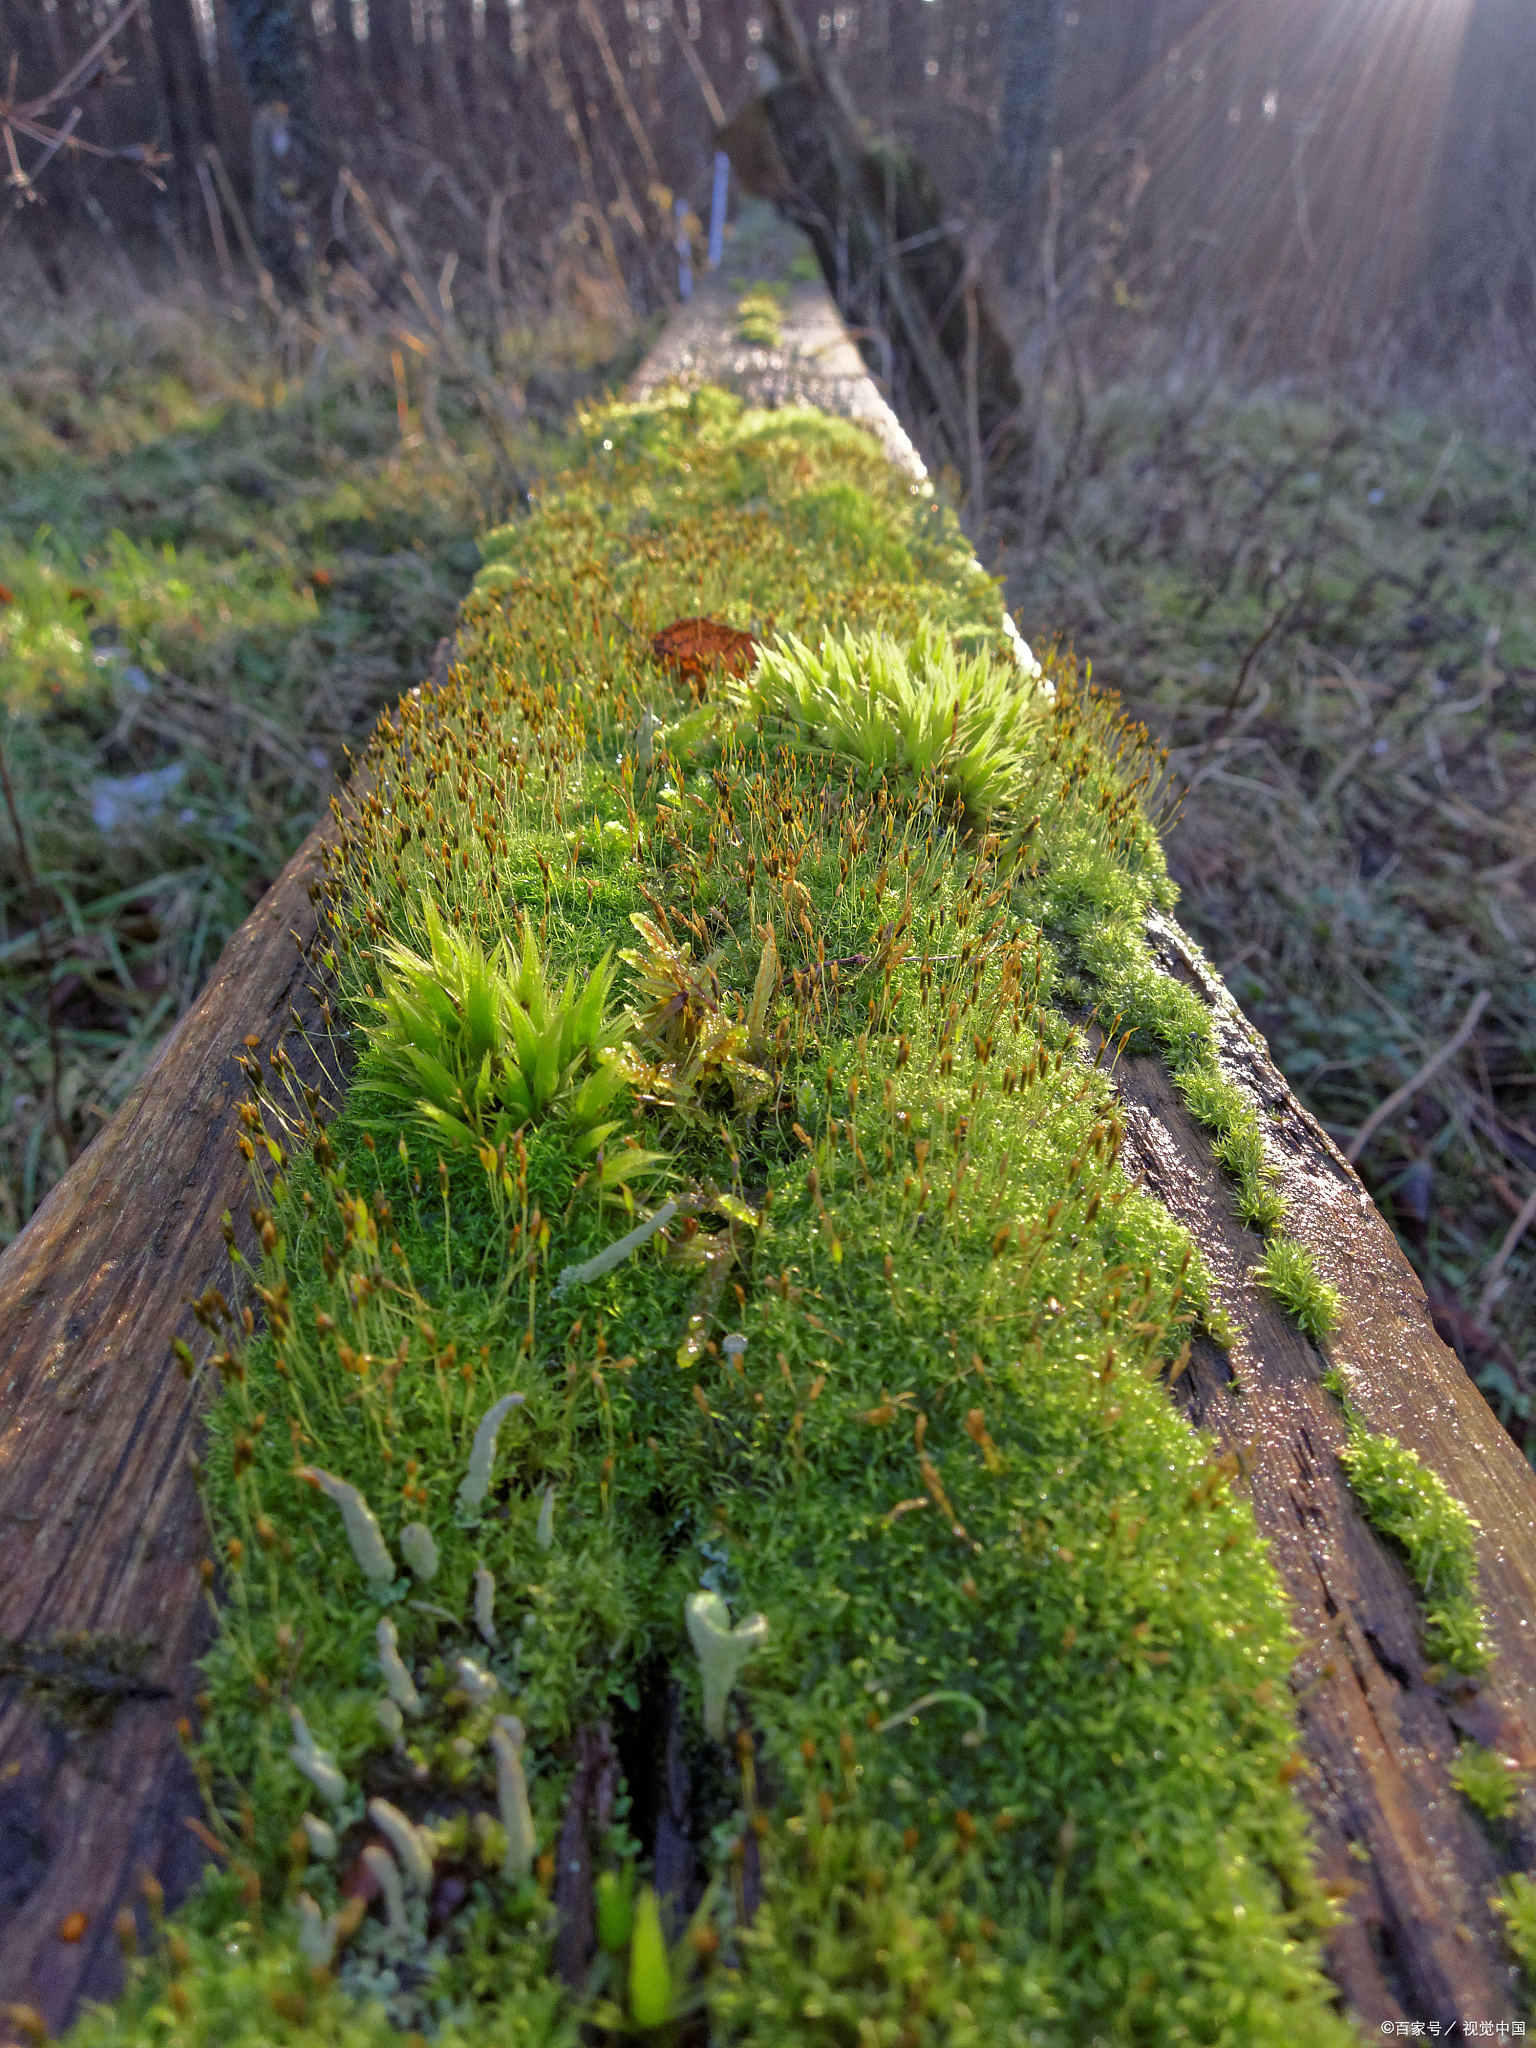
(224, 1976)
(919, 712)
(1289, 1271)
(1489, 1780)
(81, 1680)
(757, 319)
(890, 1373)
(1414, 1509)
(1516, 1907)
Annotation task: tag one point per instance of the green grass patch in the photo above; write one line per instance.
(1325, 612)
(850, 1322)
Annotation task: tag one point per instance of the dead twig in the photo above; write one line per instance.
(1502, 1256)
(26, 118)
(501, 404)
(1229, 709)
(636, 127)
(974, 458)
(236, 212)
(695, 64)
(1394, 1102)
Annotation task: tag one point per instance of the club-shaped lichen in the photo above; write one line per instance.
(485, 1604)
(512, 1798)
(322, 1836)
(389, 1718)
(476, 1483)
(402, 1687)
(412, 1845)
(315, 1763)
(387, 1872)
(419, 1550)
(317, 1937)
(476, 1683)
(722, 1651)
(362, 1524)
(544, 1534)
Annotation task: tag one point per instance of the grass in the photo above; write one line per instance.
(221, 553)
(1326, 614)
(1008, 1758)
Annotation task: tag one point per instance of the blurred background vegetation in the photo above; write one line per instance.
(302, 302)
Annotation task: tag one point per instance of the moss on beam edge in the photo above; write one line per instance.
(796, 975)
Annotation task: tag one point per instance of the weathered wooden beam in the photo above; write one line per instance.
(1399, 1844)
(873, 214)
(101, 1530)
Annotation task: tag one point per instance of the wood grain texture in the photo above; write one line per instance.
(1409, 1854)
(101, 1531)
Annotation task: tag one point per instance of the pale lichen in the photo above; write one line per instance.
(476, 1483)
(361, 1523)
(722, 1652)
(485, 1604)
(315, 1763)
(419, 1549)
(402, 1687)
(507, 1738)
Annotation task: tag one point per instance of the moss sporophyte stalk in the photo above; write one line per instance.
(725, 1220)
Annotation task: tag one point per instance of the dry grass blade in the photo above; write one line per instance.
(1501, 1257)
(1394, 1102)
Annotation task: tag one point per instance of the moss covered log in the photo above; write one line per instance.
(701, 1542)
(729, 1133)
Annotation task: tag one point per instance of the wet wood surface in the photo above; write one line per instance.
(102, 1612)
(1406, 1853)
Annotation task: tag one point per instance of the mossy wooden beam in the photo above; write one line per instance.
(619, 830)
(1408, 1858)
